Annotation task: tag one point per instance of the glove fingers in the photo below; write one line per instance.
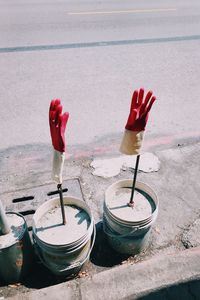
(57, 102)
(52, 115)
(53, 109)
(148, 96)
(62, 126)
(63, 121)
(144, 105)
(137, 99)
(150, 104)
(140, 97)
(134, 100)
(58, 113)
(54, 103)
(51, 105)
(148, 107)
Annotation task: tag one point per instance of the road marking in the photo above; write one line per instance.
(133, 11)
(100, 44)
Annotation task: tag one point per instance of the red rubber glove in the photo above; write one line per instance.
(57, 123)
(139, 111)
(134, 130)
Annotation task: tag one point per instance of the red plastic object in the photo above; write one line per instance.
(139, 110)
(57, 123)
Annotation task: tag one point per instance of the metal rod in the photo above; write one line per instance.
(131, 203)
(59, 186)
(4, 225)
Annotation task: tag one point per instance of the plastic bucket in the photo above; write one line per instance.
(16, 253)
(128, 228)
(63, 249)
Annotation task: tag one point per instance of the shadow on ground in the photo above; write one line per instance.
(102, 256)
(184, 291)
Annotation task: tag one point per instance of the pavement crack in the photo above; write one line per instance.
(189, 237)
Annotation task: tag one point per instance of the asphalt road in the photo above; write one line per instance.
(92, 55)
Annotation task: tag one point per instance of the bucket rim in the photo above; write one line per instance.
(131, 223)
(49, 248)
(63, 247)
(21, 233)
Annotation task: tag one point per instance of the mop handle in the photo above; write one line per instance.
(4, 225)
(59, 186)
(134, 180)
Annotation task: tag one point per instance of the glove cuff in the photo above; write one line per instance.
(58, 163)
(131, 142)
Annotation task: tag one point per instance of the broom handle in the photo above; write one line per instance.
(59, 186)
(4, 225)
(134, 179)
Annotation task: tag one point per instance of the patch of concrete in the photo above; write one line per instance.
(107, 167)
(112, 166)
(148, 162)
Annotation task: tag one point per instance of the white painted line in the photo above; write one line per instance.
(134, 11)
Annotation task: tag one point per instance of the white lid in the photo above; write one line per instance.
(17, 229)
(117, 205)
(51, 230)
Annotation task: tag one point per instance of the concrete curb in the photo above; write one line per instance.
(176, 228)
(129, 281)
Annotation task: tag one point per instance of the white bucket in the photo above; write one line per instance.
(16, 253)
(128, 228)
(64, 249)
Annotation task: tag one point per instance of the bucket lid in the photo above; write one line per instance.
(139, 214)
(17, 229)
(50, 230)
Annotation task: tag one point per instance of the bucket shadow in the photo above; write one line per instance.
(49, 227)
(102, 254)
(41, 277)
(38, 277)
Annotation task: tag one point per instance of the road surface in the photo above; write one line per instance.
(92, 55)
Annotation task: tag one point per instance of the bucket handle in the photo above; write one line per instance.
(117, 235)
(75, 265)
